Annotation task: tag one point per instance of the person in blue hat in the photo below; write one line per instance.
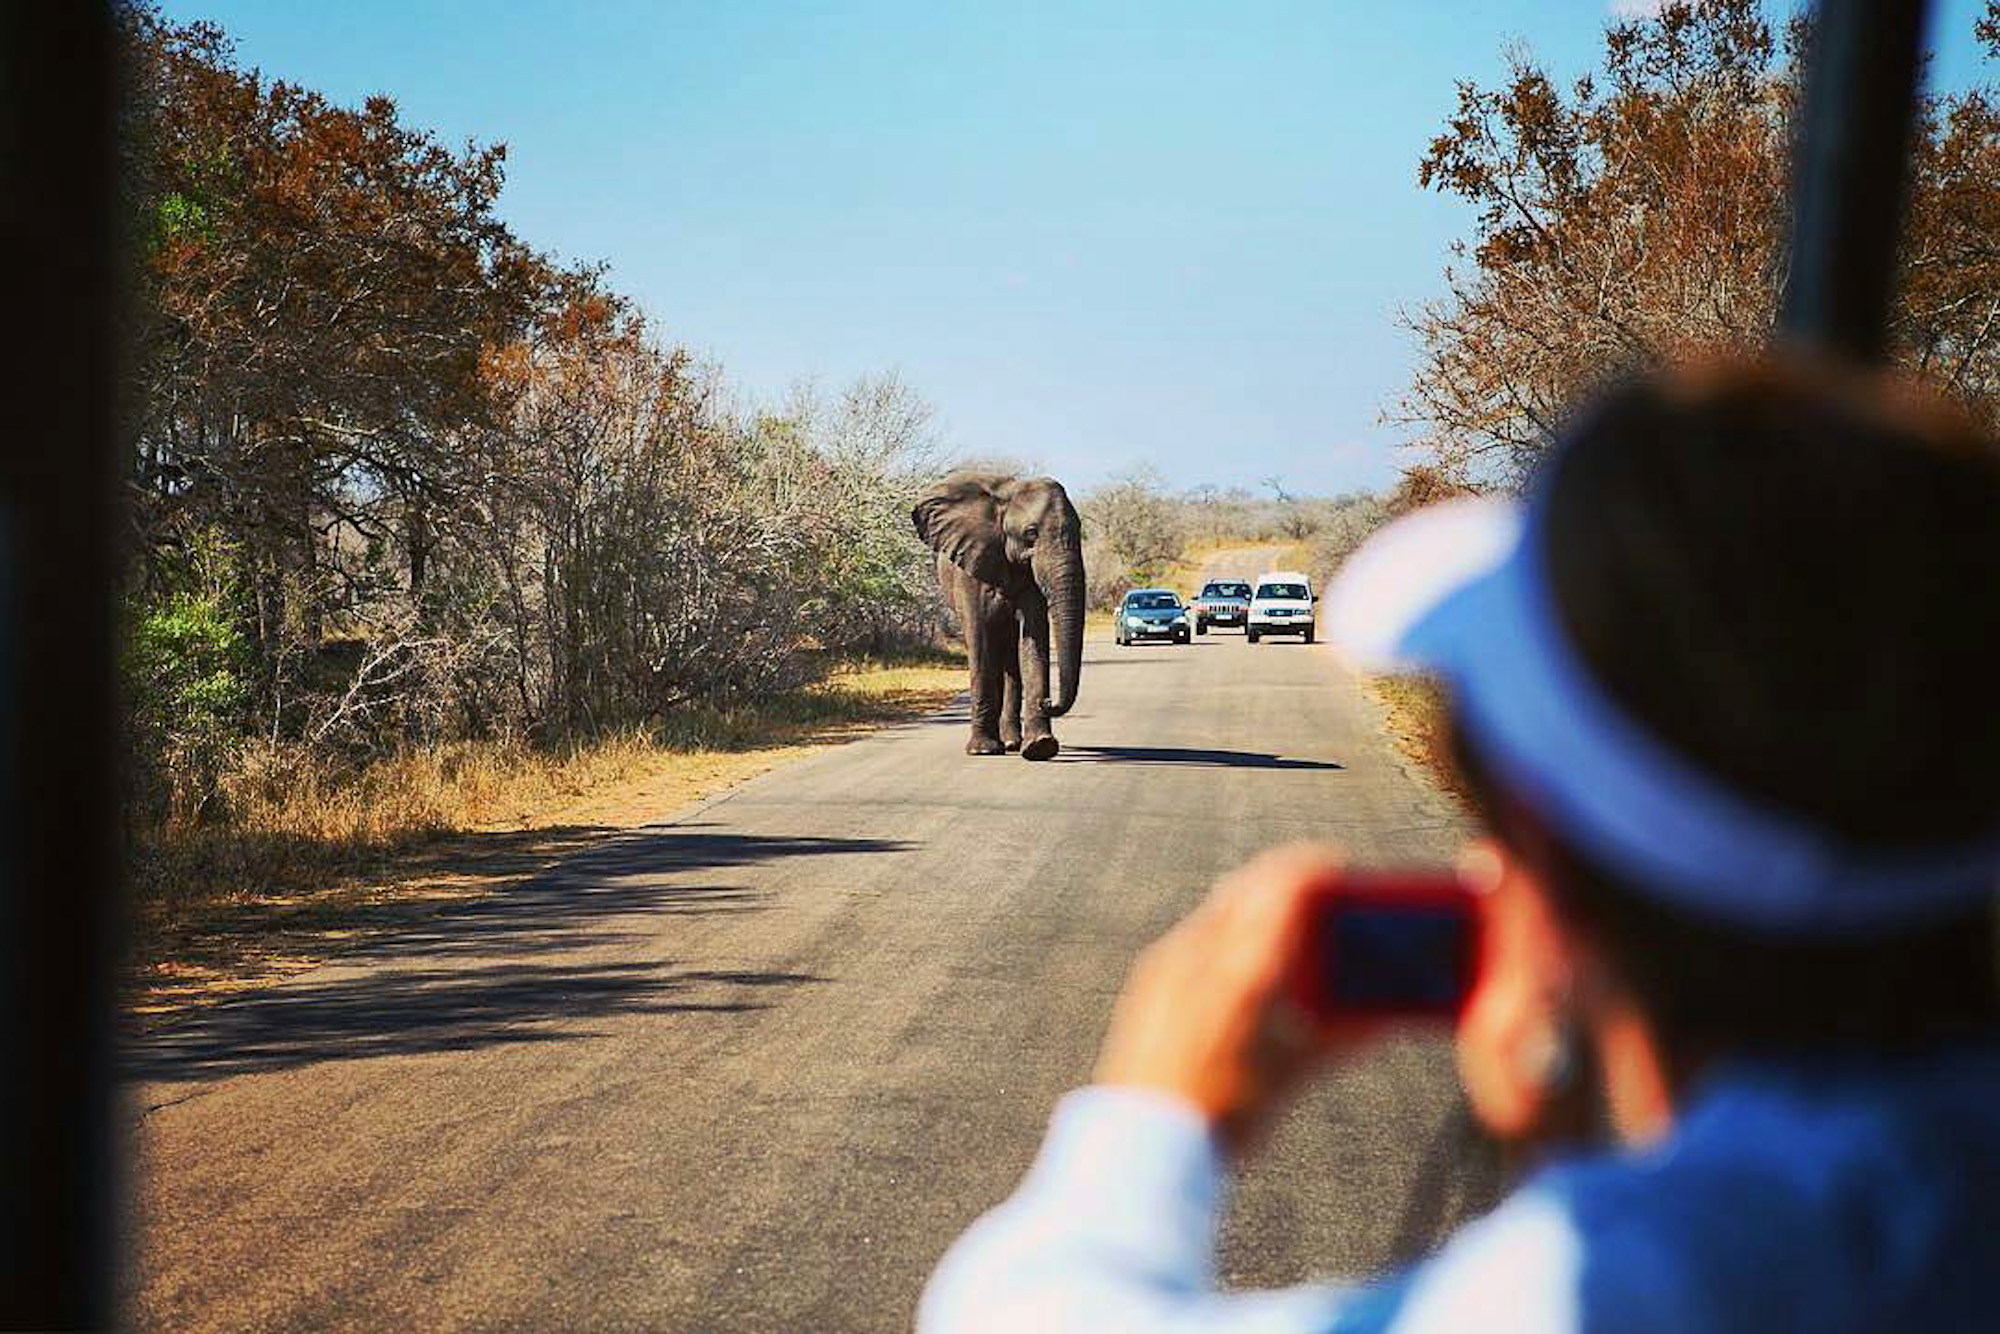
(1725, 689)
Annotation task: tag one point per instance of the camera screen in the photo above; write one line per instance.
(1411, 957)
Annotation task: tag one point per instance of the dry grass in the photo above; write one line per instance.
(1186, 573)
(1297, 556)
(313, 859)
(1416, 716)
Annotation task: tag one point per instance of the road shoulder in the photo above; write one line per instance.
(248, 942)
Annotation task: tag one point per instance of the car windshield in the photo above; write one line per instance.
(1153, 601)
(1296, 592)
(1226, 591)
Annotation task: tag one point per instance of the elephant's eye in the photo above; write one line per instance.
(1028, 533)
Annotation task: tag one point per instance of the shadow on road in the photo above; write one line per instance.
(618, 874)
(491, 970)
(1181, 755)
(406, 1011)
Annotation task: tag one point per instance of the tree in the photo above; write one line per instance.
(317, 288)
(1639, 217)
(880, 439)
(456, 489)
(1135, 522)
(1948, 311)
(1295, 519)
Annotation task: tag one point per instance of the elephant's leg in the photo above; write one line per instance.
(982, 653)
(1038, 741)
(1010, 691)
(986, 692)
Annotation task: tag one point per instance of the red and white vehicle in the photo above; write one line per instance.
(1222, 602)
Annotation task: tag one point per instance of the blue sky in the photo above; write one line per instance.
(1094, 235)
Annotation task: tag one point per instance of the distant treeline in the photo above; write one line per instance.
(1139, 531)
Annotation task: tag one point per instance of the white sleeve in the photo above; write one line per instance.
(1113, 1231)
(1516, 1271)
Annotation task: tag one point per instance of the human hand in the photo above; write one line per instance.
(1207, 1014)
(1513, 1041)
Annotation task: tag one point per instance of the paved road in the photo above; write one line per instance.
(754, 1067)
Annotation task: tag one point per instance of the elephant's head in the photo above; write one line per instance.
(1016, 533)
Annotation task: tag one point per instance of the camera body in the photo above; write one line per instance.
(1390, 945)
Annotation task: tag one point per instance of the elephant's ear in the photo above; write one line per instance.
(960, 518)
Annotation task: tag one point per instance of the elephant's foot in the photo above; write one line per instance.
(1010, 744)
(1010, 737)
(984, 745)
(1042, 747)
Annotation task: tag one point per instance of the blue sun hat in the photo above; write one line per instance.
(1460, 590)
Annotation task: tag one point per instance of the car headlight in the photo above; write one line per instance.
(1134, 620)
(1180, 618)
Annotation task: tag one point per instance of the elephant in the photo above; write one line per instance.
(1010, 563)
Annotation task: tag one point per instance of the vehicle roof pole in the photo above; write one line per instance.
(1853, 157)
(59, 829)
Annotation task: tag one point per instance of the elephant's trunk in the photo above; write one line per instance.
(1064, 591)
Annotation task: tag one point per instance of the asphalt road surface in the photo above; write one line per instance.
(754, 1067)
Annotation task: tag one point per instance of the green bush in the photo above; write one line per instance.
(185, 681)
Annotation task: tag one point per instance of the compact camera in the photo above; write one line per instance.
(1391, 945)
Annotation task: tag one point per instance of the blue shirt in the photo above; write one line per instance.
(1825, 1198)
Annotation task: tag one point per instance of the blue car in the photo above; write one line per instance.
(1152, 613)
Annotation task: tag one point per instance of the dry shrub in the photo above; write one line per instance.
(1419, 721)
(294, 820)
(1638, 216)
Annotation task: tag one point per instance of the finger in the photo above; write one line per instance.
(1480, 867)
(1181, 953)
(1269, 916)
(1278, 890)
(1282, 872)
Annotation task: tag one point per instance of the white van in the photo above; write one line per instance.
(1281, 605)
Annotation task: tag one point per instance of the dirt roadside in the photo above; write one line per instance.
(243, 942)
